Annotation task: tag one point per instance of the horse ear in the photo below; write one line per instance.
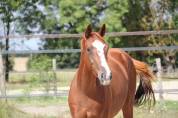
(88, 31)
(102, 30)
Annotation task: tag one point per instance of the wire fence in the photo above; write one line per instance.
(76, 36)
(62, 92)
(58, 51)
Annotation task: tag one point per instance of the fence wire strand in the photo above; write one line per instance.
(76, 36)
(59, 51)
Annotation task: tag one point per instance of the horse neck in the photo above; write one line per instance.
(85, 77)
(90, 85)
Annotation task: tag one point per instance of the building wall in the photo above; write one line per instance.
(20, 64)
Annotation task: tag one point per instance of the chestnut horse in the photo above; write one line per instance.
(105, 81)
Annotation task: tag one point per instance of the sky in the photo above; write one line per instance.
(24, 44)
(20, 44)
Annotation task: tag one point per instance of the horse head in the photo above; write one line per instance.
(95, 49)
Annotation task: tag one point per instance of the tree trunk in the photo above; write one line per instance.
(2, 80)
(7, 55)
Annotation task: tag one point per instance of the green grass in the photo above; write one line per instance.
(29, 81)
(32, 76)
(41, 101)
(45, 101)
(43, 79)
(170, 104)
(32, 80)
(166, 109)
(8, 111)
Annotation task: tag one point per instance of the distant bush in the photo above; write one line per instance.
(40, 62)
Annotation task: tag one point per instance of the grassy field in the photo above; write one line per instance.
(42, 80)
(48, 79)
(167, 109)
(9, 111)
(12, 108)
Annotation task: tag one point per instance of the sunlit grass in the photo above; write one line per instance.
(40, 79)
(8, 111)
(41, 101)
(166, 109)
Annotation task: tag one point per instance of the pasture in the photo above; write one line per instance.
(41, 39)
(57, 107)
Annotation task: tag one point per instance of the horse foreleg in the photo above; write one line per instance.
(128, 110)
(84, 114)
(80, 114)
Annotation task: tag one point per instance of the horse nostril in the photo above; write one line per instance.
(110, 77)
(102, 75)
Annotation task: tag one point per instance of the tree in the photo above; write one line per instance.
(174, 7)
(23, 15)
(74, 16)
(151, 15)
(113, 17)
(6, 10)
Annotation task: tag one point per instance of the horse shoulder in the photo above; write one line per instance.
(114, 52)
(118, 57)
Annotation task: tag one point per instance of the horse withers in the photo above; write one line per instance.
(105, 81)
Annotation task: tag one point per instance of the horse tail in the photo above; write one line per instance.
(144, 93)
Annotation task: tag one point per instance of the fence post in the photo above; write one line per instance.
(160, 85)
(55, 78)
(2, 78)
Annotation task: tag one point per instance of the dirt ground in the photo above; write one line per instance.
(61, 111)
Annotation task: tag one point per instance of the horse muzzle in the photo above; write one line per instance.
(105, 78)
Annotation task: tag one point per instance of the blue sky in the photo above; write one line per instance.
(20, 44)
(24, 44)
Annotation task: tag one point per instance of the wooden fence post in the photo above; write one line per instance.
(159, 72)
(55, 77)
(2, 78)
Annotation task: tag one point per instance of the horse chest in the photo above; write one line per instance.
(97, 105)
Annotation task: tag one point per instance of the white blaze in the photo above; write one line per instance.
(100, 50)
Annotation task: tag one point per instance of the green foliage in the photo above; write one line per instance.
(112, 17)
(149, 15)
(74, 16)
(41, 62)
(7, 7)
(25, 15)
